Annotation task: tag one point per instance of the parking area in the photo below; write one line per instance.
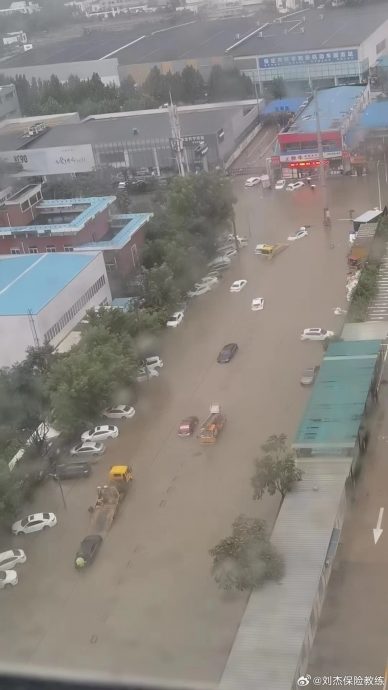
(148, 607)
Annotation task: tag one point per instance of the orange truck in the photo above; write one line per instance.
(109, 498)
(212, 425)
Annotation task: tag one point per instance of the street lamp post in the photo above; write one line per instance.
(378, 182)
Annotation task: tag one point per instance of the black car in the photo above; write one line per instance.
(227, 353)
(73, 470)
(87, 551)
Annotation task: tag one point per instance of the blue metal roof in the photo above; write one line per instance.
(375, 116)
(334, 105)
(134, 222)
(336, 406)
(283, 105)
(29, 282)
(95, 206)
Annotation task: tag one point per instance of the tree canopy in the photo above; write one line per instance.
(276, 469)
(246, 559)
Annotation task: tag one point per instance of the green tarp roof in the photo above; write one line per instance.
(336, 406)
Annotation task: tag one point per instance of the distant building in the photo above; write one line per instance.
(9, 102)
(31, 225)
(21, 7)
(106, 8)
(297, 144)
(15, 38)
(42, 298)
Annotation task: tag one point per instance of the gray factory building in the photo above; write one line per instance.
(206, 136)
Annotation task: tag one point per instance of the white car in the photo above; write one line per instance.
(88, 448)
(316, 334)
(209, 280)
(146, 373)
(100, 433)
(220, 261)
(8, 578)
(302, 232)
(34, 523)
(198, 290)
(175, 319)
(280, 184)
(252, 181)
(119, 412)
(257, 304)
(241, 241)
(8, 559)
(292, 186)
(154, 362)
(238, 285)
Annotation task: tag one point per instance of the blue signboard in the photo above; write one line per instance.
(317, 58)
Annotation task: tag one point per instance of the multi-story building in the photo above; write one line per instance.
(30, 224)
(9, 102)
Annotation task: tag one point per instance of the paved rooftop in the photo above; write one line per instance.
(375, 116)
(29, 282)
(95, 205)
(323, 29)
(132, 223)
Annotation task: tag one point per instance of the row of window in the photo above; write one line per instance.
(74, 310)
(50, 249)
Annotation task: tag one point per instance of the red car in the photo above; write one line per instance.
(187, 426)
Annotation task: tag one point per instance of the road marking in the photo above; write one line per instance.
(377, 531)
(122, 47)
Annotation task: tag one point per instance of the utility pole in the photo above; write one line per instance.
(176, 136)
(378, 182)
(322, 172)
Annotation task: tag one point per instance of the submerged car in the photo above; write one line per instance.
(8, 559)
(88, 448)
(280, 184)
(175, 319)
(238, 285)
(100, 433)
(227, 353)
(293, 186)
(187, 426)
(87, 551)
(8, 578)
(73, 470)
(257, 304)
(252, 181)
(119, 412)
(316, 334)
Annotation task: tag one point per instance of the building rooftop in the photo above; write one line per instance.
(337, 402)
(324, 28)
(29, 282)
(375, 116)
(131, 224)
(150, 124)
(94, 206)
(334, 105)
(271, 636)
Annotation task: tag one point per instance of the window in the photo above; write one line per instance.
(15, 250)
(33, 250)
(68, 249)
(380, 46)
(50, 249)
(25, 205)
(74, 309)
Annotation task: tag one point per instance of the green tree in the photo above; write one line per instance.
(160, 290)
(156, 86)
(228, 84)
(10, 495)
(278, 88)
(193, 85)
(246, 559)
(276, 470)
(82, 382)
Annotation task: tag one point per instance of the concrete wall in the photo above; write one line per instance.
(368, 49)
(9, 102)
(15, 336)
(65, 300)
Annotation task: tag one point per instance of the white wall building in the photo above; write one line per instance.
(43, 296)
(21, 7)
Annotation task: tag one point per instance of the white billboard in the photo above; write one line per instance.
(58, 160)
